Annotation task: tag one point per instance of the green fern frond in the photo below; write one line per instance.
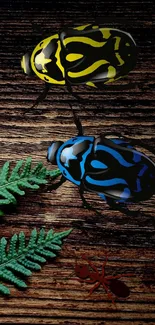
(13, 183)
(19, 260)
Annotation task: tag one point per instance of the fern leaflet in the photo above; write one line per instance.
(13, 183)
(21, 259)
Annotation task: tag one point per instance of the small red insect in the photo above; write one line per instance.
(117, 287)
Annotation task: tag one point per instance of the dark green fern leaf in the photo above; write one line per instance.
(13, 183)
(19, 260)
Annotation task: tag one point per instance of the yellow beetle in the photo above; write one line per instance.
(87, 54)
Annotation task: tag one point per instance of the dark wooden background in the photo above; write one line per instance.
(126, 106)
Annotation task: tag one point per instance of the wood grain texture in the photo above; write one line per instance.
(127, 107)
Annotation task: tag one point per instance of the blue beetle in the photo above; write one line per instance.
(111, 167)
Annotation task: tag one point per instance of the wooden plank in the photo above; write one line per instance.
(126, 106)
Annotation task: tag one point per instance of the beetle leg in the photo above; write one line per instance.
(77, 122)
(103, 85)
(58, 184)
(80, 100)
(139, 142)
(117, 206)
(69, 88)
(86, 204)
(133, 142)
(118, 134)
(42, 96)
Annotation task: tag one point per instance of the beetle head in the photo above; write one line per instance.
(52, 151)
(25, 64)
